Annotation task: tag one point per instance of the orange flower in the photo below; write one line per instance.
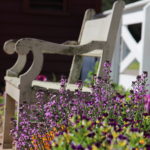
(62, 127)
(54, 129)
(142, 141)
(51, 133)
(46, 138)
(47, 145)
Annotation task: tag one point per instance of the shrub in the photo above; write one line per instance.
(44, 122)
(101, 134)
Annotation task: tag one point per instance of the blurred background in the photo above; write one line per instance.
(52, 20)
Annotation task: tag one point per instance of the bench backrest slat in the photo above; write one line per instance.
(96, 30)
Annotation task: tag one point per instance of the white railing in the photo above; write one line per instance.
(127, 48)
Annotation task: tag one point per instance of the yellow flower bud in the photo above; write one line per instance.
(142, 141)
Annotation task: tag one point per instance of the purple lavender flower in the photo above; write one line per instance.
(63, 82)
(79, 85)
(147, 104)
(101, 104)
(122, 137)
(91, 135)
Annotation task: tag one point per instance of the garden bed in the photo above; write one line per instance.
(103, 119)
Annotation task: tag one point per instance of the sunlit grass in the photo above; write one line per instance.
(134, 66)
(1, 99)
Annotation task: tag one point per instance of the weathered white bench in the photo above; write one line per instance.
(97, 39)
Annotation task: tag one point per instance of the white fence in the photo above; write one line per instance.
(128, 49)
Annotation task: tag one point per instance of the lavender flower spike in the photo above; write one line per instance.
(147, 104)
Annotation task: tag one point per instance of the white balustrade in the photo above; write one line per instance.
(128, 49)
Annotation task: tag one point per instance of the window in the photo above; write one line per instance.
(45, 6)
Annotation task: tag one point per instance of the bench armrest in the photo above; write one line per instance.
(71, 43)
(23, 46)
(38, 48)
(9, 46)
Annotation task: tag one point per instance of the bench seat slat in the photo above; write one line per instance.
(47, 85)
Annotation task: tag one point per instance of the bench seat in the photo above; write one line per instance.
(14, 81)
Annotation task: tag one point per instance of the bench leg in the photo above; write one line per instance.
(9, 112)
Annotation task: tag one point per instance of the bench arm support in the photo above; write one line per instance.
(9, 48)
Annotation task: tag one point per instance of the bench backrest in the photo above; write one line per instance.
(95, 30)
(101, 29)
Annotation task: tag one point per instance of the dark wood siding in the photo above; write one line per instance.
(16, 23)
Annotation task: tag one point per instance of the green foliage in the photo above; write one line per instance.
(107, 4)
(1, 107)
(100, 135)
(90, 80)
(134, 66)
(90, 77)
(98, 120)
(1, 99)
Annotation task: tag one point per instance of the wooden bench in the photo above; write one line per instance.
(97, 39)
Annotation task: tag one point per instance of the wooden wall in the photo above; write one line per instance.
(16, 23)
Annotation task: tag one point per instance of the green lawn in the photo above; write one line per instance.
(134, 66)
(1, 99)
